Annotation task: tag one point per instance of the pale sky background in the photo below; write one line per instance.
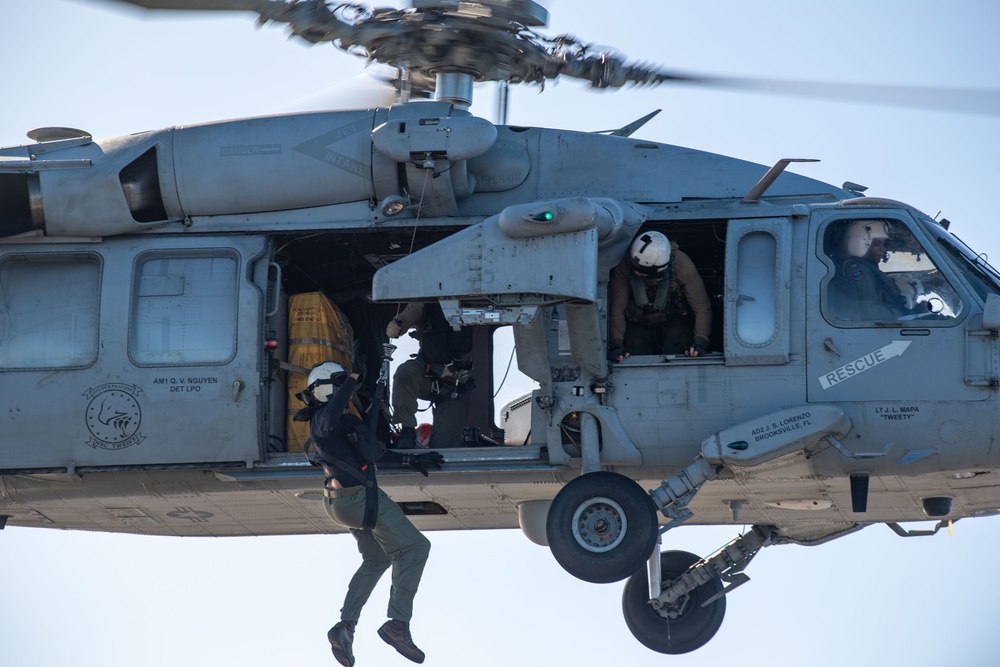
(493, 598)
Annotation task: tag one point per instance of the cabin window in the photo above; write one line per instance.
(882, 273)
(184, 309)
(758, 291)
(755, 281)
(49, 310)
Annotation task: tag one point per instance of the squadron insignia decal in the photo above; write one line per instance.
(114, 416)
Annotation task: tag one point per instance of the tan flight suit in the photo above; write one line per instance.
(687, 313)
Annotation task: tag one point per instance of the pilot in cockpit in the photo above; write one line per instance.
(860, 290)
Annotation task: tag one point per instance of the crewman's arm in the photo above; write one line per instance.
(406, 320)
(694, 291)
(324, 420)
(618, 287)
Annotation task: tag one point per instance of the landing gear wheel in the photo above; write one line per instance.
(601, 527)
(683, 627)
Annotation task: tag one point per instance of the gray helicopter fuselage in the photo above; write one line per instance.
(143, 326)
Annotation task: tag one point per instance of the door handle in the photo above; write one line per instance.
(830, 347)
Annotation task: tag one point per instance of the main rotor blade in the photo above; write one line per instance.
(211, 5)
(610, 70)
(414, 39)
(963, 100)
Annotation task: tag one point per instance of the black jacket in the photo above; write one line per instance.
(330, 427)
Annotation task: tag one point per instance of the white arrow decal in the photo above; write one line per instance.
(862, 364)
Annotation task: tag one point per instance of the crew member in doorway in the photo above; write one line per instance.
(348, 451)
(441, 372)
(657, 302)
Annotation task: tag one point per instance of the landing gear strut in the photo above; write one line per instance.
(683, 626)
(679, 606)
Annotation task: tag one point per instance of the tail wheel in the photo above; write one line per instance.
(601, 527)
(685, 625)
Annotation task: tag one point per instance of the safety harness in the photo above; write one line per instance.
(662, 301)
(368, 450)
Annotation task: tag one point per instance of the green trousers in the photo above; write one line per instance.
(393, 541)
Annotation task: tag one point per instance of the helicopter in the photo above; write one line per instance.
(669, 218)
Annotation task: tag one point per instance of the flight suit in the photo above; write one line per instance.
(394, 540)
(687, 311)
(428, 376)
(862, 292)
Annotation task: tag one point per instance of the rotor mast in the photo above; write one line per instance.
(454, 86)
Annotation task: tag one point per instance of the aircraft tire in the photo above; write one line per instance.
(601, 527)
(691, 625)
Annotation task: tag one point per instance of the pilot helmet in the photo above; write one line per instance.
(650, 253)
(323, 379)
(861, 233)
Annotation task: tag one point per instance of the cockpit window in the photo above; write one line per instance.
(983, 278)
(883, 274)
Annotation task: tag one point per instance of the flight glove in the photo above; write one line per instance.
(394, 328)
(700, 345)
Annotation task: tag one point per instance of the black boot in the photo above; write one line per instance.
(341, 638)
(407, 438)
(397, 635)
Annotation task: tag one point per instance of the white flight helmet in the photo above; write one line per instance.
(650, 253)
(861, 233)
(323, 379)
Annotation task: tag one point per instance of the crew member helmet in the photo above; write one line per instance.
(861, 233)
(650, 253)
(324, 378)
